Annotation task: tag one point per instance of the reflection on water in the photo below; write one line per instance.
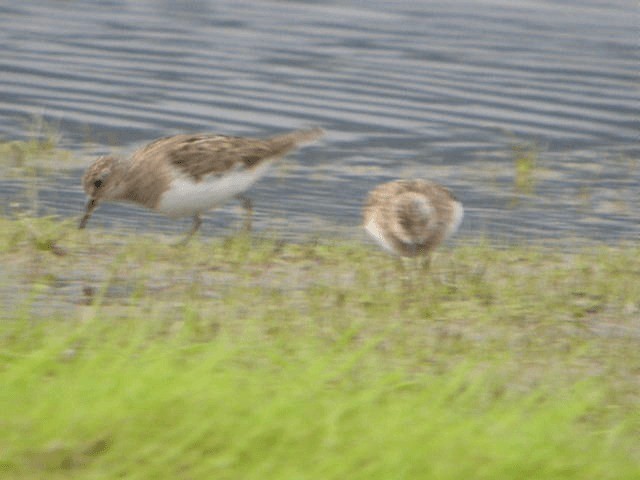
(434, 89)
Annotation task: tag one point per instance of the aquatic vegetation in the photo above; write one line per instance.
(38, 155)
(525, 158)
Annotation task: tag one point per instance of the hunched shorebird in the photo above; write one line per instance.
(410, 218)
(187, 175)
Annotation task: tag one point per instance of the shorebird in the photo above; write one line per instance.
(187, 175)
(410, 218)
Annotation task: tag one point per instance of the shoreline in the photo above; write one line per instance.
(234, 355)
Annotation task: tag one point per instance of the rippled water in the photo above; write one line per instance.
(433, 89)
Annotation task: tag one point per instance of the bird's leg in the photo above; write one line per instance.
(403, 270)
(91, 206)
(248, 207)
(197, 221)
(421, 270)
(425, 263)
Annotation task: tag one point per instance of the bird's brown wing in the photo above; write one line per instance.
(203, 154)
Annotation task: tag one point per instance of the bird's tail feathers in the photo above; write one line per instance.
(288, 141)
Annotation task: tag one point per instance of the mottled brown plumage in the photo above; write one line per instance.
(411, 217)
(203, 154)
(187, 174)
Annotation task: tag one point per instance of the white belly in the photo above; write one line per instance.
(186, 197)
(456, 219)
(376, 233)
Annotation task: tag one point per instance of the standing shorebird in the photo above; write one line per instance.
(187, 175)
(410, 218)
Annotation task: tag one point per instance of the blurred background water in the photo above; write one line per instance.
(529, 111)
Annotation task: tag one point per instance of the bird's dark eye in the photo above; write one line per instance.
(97, 183)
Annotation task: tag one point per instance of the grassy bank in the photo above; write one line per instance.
(123, 356)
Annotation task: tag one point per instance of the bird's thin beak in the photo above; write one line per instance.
(91, 206)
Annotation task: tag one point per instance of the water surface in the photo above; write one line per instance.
(434, 89)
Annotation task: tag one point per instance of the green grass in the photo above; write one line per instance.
(243, 358)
